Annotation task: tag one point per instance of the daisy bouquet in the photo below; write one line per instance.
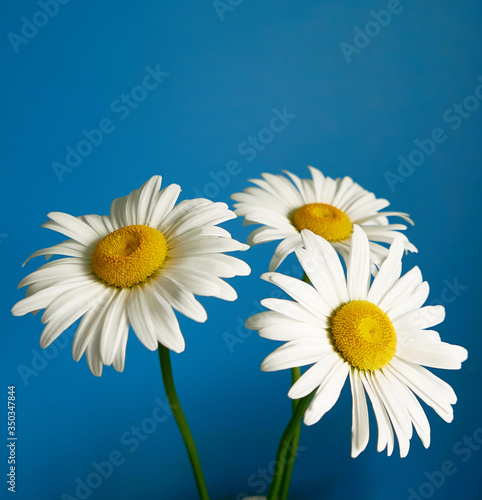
(352, 317)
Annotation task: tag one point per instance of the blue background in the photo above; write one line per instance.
(227, 72)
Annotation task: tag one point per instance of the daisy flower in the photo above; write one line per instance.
(132, 268)
(327, 207)
(373, 334)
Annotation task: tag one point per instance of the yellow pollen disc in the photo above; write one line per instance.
(364, 335)
(324, 220)
(129, 256)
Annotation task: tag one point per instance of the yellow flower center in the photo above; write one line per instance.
(129, 256)
(364, 335)
(324, 220)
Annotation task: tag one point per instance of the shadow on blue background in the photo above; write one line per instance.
(222, 73)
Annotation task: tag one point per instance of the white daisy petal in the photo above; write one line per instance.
(213, 214)
(424, 336)
(266, 217)
(195, 234)
(283, 188)
(298, 183)
(62, 268)
(356, 213)
(420, 319)
(270, 318)
(282, 251)
(360, 430)
(324, 269)
(358, 197)
(148, 198)
(396, 411)
(295, 353)
(358, 268)
(96, 223)
(265, 234)
(181, 299)
(302, 293)
(401, 289)
(70, 248)
(318, 181)
(328, 393)
(114, 323)
(314, 376)
(90, 323)
(427, 386)
(344, 188)
(385, 431)
(206, 245)
(415, 410)
(181, 211)
(80, 295)
(389, 272)
(374, 230)
(43, 298)
(120, 355)
(72, 227)
(223, 266)
(66, 309)
(402, 215)
(412, 302)
(329, 190)
(164, 206)
(292, 310)
(118, 212)
(201, 283)
(131, 207)
(92, 354)
(140, 319)
(434, 355)
(292, 330)
(167, 328)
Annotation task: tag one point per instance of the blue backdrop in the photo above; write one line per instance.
(97, 98)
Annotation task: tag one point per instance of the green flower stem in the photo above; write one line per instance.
(285, 447)
(293, 448)
(166, 370)
(286, 469)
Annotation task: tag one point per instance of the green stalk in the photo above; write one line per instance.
(293, 447)
(166, 370)
(287, 469)
(285, 447)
